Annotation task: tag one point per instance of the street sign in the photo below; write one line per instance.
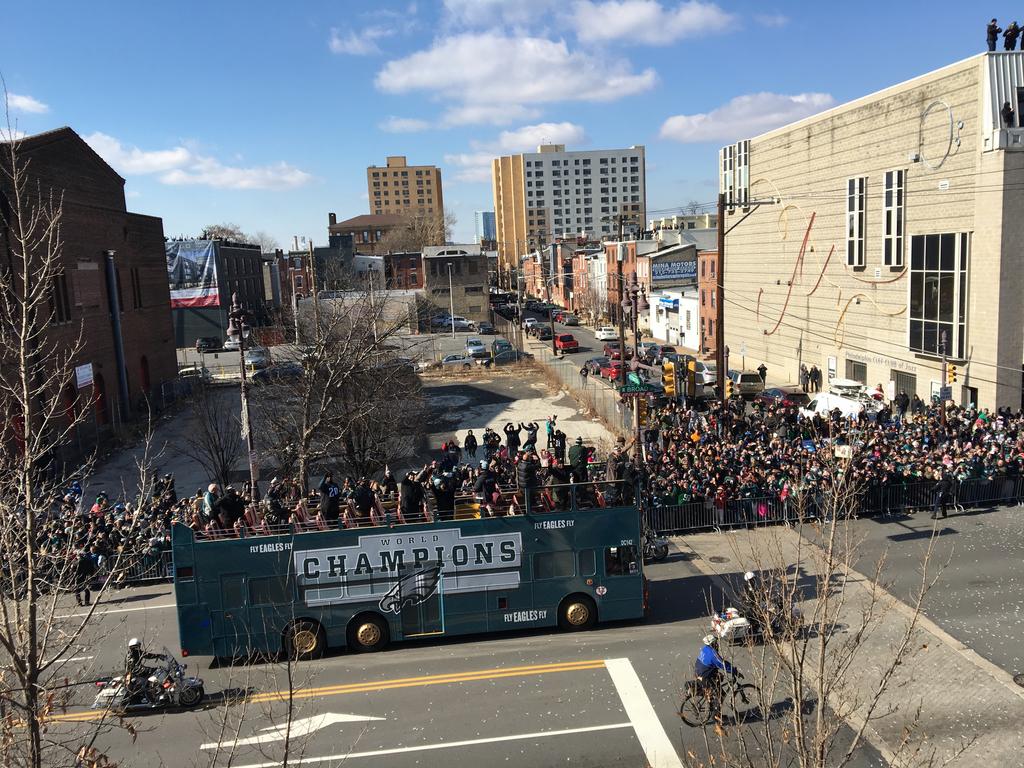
(945, 393)
(637, 389)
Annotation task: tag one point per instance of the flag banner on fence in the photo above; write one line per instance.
(192, 274)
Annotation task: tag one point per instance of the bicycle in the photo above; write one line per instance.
(698, 707)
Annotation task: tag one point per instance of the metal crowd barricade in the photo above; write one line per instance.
(148, 568)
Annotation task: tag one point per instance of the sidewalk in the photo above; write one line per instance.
(961, 694)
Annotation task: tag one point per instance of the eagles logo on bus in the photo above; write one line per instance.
(411, 590)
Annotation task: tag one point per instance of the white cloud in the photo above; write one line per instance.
(12, 134)
(403, 125)
(774, 20)
(647, 21)
(182, 166)
(133, 161)
(361, 43)
(21, 103)
(475, 166)
(747, 115)
(529, 137)
(493, 69)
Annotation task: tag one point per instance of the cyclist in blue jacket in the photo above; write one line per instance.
(709, 668)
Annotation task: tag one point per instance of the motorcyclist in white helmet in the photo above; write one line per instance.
(136, 672)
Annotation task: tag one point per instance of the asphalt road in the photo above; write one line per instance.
(979, 596)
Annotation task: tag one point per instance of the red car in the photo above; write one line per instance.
(611, 370)
(612, 349)
(566, 342)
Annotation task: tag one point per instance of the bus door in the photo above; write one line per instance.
(231, 622)
(421, 592)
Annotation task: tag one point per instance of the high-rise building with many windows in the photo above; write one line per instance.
(484, 221)
(553, 194)
(399, 188)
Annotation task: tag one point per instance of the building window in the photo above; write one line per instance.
(742, 154)
(60, 303)
(727, 185)
(136, 288)
(857, 371)
(894, 191)
(938, 294)
(855, 220)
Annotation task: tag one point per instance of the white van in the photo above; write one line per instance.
(824, 403)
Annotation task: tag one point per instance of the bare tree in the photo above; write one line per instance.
(692, 207)
(40, 542)
(266, 241)
(349, 378)
(214, 439)
(224, 231)
(418, 230)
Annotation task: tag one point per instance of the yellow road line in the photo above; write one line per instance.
(383, 685)
(413, 682)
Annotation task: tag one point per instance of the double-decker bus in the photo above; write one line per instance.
(361, 588)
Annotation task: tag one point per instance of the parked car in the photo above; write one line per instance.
(196, 373)
(543, 333)
(460, 324)
(824, 403)
(666, 349)
(566, 342)
(613, 350)
(257, 358)
(606, 333)
(233, 344)
(207, 344)
(707, 373)
(476, 349)
(500, 345)
(789, 396)
(649, 351)
(611, 370)
(529, 322)
(485, 328)
(570, 320)
(457, 361)
(595, 364)
(280, 373)
(746, 383)
(508, 356)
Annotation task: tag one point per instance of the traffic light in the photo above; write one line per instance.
(691, 378)
(668, 378)
(950, 373)
(729, 389)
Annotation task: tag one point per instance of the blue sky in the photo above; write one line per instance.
(267, 114)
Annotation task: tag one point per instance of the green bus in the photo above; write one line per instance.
(361, 588)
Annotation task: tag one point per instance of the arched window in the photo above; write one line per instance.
(99, 398)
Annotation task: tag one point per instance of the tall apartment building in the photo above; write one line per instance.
(889, 238)
(401, 188)
(551, 194)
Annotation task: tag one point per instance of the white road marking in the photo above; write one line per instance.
(446, 745)
(119, 610)
(303, 727)
(652, 737)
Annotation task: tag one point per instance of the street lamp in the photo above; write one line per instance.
(634, 302)
(238, 327)
(451, 298)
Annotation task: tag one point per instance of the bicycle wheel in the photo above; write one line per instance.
(695, 709)
(744, 701)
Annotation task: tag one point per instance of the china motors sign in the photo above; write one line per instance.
(673, 270)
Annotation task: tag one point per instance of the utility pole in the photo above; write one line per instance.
(451, 299)
(620, 257)
(721, 361)
(945, 376)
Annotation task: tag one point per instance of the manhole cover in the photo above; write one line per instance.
(1019, 679)
(718, 559)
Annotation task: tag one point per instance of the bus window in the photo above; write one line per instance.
(232, 591)
(270, 590)
(553, 565)
(587, 562)
(620, 561)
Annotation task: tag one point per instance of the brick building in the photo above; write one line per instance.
(403, 271)
(367, 231)
(103, 245)
(456, 276)
(707, 285)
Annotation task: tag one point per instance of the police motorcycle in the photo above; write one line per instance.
(166, 687)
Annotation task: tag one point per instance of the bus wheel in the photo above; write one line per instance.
(577, 612)
(305, 640)
(367, 633)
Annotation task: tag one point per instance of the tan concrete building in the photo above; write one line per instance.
(552, 194)
(890, 234)
(400, 188)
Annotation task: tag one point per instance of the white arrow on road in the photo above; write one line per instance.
(298, 728)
